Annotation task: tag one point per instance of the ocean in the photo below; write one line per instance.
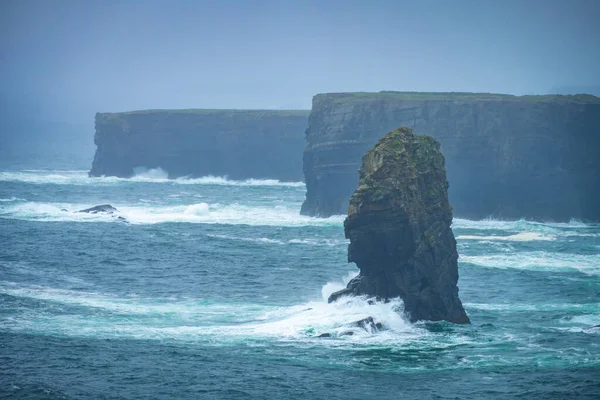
(217, 289)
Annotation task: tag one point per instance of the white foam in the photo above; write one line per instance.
(263, 240)
(334, 286)
(197, 209)
(518, 225)
(224, 181)
(52, 212)
(538, 261)
(143, 175)
(587, 320)
(196, 319)
(314, 318)
(243, 239)
(517, 307)
(519, 237)
(202, 213)
(184, 310)
(158, 174)
(11, 199)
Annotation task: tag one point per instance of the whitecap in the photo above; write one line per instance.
(334, 286)
(157, 174)
(538, 261)
(518, 307)
(224, 181)
(518, 225)
(142, 175)
(245, 239)
(202, 213)
(519, 237)
(10, 199)
(264, 240)
(197, 319)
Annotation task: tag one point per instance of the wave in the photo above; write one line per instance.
(202, 213)
(264, 240)
(518, 225)
(519, 237)
(538, 261)
(516, 307)
(10, 199)
(202, 320)
(158, 175)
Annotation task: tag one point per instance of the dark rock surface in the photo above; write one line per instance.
(399, 229)
(367, 324)
(102, 208)
(240, 144)
(340, 293)
(506, 156)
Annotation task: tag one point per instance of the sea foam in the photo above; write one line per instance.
(201, 320)
(519, 237)
(142, 175)
(202, 213)
(538, 261)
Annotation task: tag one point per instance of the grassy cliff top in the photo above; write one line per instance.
(224, 112)
(355, 97)
(405, 171)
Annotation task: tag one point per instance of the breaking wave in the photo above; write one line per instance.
(203, 213)
(519, 237)
(264, 240)
(518, 225)
(202, 320)
(157, 175)
(538, 261)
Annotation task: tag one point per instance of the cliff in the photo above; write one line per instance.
(506, 156)
(399, 229)
(240, 144)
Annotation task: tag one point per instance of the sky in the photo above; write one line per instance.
(66, 60)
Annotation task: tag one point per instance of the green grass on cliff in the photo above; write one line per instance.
(223, 112)
(353, 97)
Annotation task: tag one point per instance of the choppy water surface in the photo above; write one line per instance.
(217, 289)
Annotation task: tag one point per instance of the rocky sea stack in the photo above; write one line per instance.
(399, 229)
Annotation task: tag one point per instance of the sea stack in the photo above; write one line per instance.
(399, 229)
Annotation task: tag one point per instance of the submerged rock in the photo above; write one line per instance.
(340, 293)
(103, 208)
(593, 329)
(399, 229)
(367, 324)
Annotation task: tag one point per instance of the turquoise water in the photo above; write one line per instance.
(216, 288)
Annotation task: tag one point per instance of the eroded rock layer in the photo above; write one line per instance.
(506, 156)
(399, 229)
(240, 144)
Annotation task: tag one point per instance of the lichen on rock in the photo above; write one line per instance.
(399, 229)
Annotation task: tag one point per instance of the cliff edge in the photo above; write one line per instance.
(240, 144)
(399, 229)
(506, 156)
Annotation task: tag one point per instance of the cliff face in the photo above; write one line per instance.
(237, 143)
(399, 229)
(506, 156)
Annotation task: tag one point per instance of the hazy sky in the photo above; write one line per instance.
(69, 59)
